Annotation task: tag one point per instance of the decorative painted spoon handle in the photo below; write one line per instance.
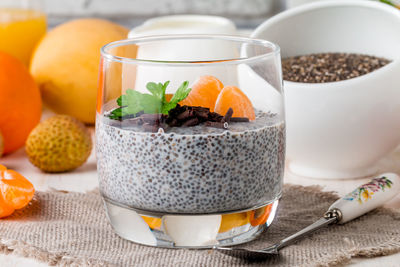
(362, 200)
(356, 203)
(366, 197)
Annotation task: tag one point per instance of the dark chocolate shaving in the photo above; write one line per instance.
(220, 125)
(150, 127)
(239, 119)
(127, 117)
(190, 116)
(191, 122)
(202, 113)
(183, 116)
(134, 121)
(173, 123)
(228, 115)
(152, 119)
(215, 117)
(130, 116)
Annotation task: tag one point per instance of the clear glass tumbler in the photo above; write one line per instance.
(190, 138)
(22, 25)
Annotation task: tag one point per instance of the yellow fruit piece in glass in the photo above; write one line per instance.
(233, 220)
(153, 223)
(20, 31)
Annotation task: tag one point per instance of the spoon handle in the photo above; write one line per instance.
(322, 222)
(366, 197)
(356, 203)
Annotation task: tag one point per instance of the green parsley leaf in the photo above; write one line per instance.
(165, 85)
(155, 89)
(180, 94)
(150, 104)
(116, 114)
(119, 101)
(134, 102)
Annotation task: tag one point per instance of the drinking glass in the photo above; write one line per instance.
(190, 138)
(22, 24)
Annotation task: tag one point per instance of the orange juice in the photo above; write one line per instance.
(20, 30)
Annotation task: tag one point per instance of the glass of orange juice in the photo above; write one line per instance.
(22, 24)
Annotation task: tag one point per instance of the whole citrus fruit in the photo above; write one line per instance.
(65, 65)
(20, 103)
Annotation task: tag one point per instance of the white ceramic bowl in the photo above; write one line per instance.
(184, 24)
(179, 24)
(340, 129)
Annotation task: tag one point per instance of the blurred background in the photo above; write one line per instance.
(245, 13)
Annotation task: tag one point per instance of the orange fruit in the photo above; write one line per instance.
(153, 223)
(20, 102)
(168, 97)
(204, 93)
(5, 210)
(16, 191)
(260, 216)
(233, 220)
(233, 97)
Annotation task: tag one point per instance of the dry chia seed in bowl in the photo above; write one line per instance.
(329, 67)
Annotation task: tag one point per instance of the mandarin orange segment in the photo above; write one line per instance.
(204, 93)
(233, 97)
(230, 221)
(168, 97)
(16, 190)
(153, 223)
(260, 216)
(5, 209)
(2, 168)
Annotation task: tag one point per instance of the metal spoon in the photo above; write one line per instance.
(384, 187)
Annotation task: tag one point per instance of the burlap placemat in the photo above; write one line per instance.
(71, 229)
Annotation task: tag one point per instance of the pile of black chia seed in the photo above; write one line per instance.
(192, 169)
(329, 67)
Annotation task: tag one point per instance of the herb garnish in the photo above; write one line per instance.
(134, 102)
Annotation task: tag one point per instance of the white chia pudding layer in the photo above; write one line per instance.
(192, 169)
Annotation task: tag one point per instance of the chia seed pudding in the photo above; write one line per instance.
(192, 169)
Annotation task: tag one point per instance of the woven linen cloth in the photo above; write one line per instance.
(71, 229)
